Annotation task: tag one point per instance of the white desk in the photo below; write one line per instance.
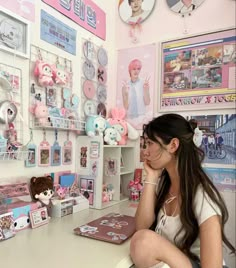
(55, 245)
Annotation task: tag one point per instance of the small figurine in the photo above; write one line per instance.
(42, 191)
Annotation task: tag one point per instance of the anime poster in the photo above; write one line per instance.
(223, 178)
(199, 72)
(219, 138)
(136, 83)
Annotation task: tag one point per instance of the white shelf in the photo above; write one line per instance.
(126, 172)
(17, 155)
(119, 179)
(112, 203)
(60, 123)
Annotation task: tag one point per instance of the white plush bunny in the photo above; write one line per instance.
(112, 136)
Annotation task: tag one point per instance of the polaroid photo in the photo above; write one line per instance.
(51, 97)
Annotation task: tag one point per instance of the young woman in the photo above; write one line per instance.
(180, 209)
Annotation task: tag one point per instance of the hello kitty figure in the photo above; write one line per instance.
(59, 76)
(43, 71)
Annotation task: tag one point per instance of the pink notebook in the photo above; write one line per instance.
(114, 228)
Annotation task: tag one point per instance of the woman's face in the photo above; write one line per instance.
(157, 155)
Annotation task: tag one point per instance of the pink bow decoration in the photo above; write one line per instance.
(135, 26)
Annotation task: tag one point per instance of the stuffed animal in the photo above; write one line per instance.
(43, 71)
(61, 192)
(40, 111)
(95, 125)
(59, 76)
(112, 136)
(123, 127)
(42, 191)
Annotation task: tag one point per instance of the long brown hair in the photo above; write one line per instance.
(192, 175)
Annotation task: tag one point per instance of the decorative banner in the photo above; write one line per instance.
(199, 72)
(136, 83)
(25, 9)
(223, 178)
(84, 12)
(57, 33)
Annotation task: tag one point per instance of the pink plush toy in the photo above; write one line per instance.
(61, 192)
(43, 71)
(59, 76)
(123, 127)
(40, 111)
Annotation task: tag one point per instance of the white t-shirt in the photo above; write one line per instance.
(136, 99)
(204, 208)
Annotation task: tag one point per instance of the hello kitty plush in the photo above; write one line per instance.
(43, 71)
(60, 76)
(123, 127)
(95, 125)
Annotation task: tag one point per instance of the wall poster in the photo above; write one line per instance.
(136, 83)
(57, 33)
(198, 72)
(219, 138)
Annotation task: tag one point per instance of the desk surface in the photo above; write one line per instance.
(55, 244)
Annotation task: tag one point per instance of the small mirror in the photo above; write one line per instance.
(184, 6)
(135, 11)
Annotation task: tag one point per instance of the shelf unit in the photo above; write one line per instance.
(119, 179)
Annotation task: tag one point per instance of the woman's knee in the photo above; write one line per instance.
(141, 243)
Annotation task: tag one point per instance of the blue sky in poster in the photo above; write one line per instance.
(57, 33)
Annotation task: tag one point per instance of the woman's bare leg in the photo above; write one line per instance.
(147, 248)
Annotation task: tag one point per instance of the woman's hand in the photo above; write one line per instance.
(152, 175)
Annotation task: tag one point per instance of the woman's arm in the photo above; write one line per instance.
(145, 214)
(211, 243)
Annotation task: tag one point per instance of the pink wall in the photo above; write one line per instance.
(164, 24)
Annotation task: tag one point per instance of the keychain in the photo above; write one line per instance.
(56, 152)
(44, 152)
(31, 148)
(67, 152)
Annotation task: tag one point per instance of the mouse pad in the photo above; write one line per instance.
(113, 227)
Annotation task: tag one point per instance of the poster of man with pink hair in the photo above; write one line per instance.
(136, 83)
